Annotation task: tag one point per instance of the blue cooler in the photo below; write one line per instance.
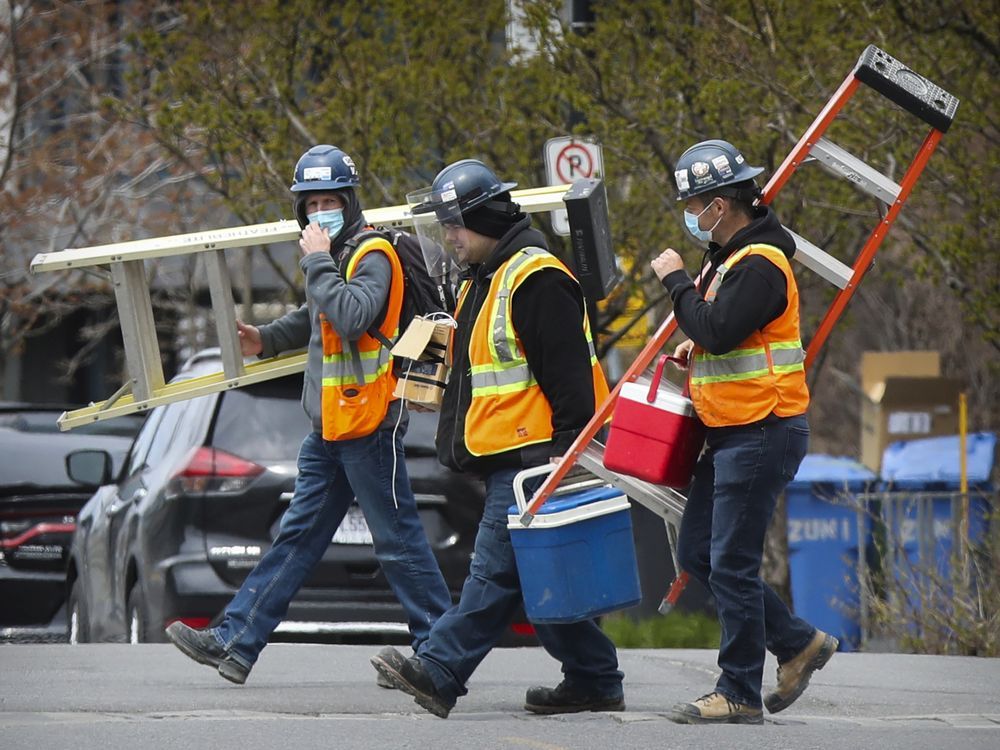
(577, 558)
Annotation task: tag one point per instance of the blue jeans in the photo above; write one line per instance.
(463, 636)
(330, 475)
(721, 543)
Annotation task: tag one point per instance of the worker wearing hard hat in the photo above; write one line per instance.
(525, 381)
(747, 381)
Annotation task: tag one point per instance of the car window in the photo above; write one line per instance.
(190, 431)
(262, 422)
(140, 447)
(165, 433)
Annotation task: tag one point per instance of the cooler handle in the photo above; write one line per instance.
(519, 481)
(658, 375)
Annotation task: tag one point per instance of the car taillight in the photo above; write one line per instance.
(213, 470)
(192, 622)
(522, 628)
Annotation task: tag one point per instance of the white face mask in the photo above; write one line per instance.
(691, 222)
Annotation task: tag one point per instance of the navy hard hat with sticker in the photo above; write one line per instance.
(325, 167)
(710, 165)
(461, 187)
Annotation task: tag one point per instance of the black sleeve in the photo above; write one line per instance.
(751, 295)
(547, 313)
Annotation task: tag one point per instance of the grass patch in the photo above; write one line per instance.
(676, 630)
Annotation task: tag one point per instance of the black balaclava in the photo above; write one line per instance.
(495, 217)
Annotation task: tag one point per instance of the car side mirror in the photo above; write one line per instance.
(89, 467)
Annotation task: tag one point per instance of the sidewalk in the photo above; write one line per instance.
(150, 696)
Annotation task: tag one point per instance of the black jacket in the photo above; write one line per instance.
(547, 313)
(752, 293)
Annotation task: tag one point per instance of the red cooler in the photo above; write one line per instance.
(655, 434)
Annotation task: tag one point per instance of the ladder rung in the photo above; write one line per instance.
(221, 290)
(844, 164)
(135, 315)
(820, 261)
(663, 501)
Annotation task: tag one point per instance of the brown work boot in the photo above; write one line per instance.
(715, 708)
(794, 674)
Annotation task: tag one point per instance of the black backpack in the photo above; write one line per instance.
(423, 294)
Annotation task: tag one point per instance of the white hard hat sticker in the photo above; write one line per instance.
(309, 174)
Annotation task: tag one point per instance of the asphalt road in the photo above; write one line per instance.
(311, 696)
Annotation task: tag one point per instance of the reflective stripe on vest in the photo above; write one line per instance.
(358, 381)
(508, 409)
(765, 374)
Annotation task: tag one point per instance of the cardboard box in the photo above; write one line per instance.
(425, 350)
(905, 398)
(425, 341)
(423, 383)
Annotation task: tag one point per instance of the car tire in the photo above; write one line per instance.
(77, 627)
(136, 618)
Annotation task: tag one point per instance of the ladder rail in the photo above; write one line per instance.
(866, 257)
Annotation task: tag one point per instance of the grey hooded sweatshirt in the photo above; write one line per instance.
(351, 307)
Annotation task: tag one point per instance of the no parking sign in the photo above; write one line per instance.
(568, 159)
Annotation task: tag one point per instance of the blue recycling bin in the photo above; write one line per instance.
(921, 482)
(824, 542)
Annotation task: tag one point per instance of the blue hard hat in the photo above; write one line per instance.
(709, 165)
(461, 187)
(324, 167)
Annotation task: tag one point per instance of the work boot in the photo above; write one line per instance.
(715, 708)
(410, 676)
(567, 699)
(204, 648)
(394, 660)
(794, 674)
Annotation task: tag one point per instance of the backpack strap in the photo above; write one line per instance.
(343, 258)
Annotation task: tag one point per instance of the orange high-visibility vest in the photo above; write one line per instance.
(765, 373)
(508, 408)
(352, 409)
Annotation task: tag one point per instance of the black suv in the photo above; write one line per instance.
(38, 508)
(199, 502)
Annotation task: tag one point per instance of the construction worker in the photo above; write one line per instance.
(355, 449)
(524, 382)
(747, 379)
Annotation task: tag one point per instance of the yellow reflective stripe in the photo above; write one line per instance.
(338, 369)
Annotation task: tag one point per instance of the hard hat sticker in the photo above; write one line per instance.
(699, 169)
(316, 173)
(681, 177)
(722, 166)
(449, 195)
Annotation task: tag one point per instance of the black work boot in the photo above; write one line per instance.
(567, 699)
(393, 660)
(410, 676)
(204, 648)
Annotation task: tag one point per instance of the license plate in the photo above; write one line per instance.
(353, 529)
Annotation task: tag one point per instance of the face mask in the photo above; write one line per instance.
(332, 221)
(691, 222)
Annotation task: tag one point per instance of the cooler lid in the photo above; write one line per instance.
(666, 398)
(572, 500)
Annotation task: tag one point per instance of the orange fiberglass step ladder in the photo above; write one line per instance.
(893, 80)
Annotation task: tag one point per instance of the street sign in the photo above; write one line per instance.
(568, 159)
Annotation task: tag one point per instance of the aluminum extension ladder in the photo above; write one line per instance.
(890, 78)
(145, 387)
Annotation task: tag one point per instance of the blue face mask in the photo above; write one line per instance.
(691, 222)
(332, 221)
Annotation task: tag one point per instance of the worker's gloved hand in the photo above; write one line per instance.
(683, 352)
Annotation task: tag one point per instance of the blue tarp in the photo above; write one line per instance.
(818, 467)
(937, 460)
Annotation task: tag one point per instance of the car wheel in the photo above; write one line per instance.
(136, 622)
(78, 630)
